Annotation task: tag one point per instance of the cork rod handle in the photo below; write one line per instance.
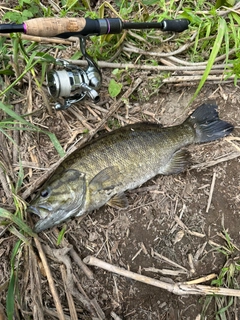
(52, 27)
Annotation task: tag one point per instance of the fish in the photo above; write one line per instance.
(100, 172)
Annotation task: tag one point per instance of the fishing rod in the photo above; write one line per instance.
(73, 83)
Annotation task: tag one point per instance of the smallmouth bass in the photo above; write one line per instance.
(100, 171)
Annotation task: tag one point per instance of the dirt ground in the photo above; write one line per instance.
(134, 238)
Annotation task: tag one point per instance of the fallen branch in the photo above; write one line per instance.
(176, 288)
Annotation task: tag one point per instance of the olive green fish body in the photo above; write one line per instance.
(103, 169)
(127, 158)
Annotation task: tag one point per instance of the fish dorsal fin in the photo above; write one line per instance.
(119, 200)
(105, 179)
(179, 161)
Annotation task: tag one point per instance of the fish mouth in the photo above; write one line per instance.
(34, 210)
(42, 211)
(53, 219)
(49, 221)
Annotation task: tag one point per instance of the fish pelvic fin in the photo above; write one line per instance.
(179, 161)
(207, 125)
(119, 201)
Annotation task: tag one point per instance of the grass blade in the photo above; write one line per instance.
(19, 222)
(12, 283)
(216, 47)
(52, 137)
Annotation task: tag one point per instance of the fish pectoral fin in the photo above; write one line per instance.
(179, 162)
(105, 179)
(119, 200)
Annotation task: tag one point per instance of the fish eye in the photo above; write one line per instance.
(45, 193)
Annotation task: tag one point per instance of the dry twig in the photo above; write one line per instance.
(176, 288)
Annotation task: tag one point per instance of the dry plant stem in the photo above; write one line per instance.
(115, 316)
(187, 67)
(62, 256)
(16, 137)
(202, 279)
(211, 192)
(184, 227)
(5, 185)
(100, 313)
(50, 280)
(211, 163)
(195, 64)
(165, 272)
(176, 79)
(86, 301)
(82, 265)
(176, 288)
(160, 256)
(35, 286)
(54, 314)
(231, 139)
(129, 48)
(39, 39)
(75, 256)
(72, 309)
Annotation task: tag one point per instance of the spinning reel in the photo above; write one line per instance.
(73, 83)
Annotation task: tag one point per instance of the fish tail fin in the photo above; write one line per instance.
(207, 125)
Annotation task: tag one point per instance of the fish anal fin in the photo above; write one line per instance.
(119, 201)
(105, 179)
(179, 161)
